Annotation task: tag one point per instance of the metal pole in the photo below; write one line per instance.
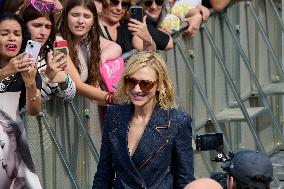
(202, 95)
(265, 38)
(277, 14)
(233, 87)
(86, 134)
(253, 76)
(59, 150)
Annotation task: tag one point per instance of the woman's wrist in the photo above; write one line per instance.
(64, 85)
(149, 42)
(109, 98)
(5, 72)
(35, 97)
(30, 85)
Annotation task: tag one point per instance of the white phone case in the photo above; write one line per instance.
(33, 48)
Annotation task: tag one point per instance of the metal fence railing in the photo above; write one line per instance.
(222, 77)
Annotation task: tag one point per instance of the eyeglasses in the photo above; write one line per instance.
(49, 6)
(144, 85)
(124, 5)
(149, 3)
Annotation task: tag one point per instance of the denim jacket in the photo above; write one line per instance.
(163, 158)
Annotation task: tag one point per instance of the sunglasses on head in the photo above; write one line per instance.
(124, 5)
(39, 5)
(149, 3)
(144, 85)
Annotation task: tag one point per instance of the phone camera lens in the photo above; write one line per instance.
(133, 11)
(30, 43)
(32, 46)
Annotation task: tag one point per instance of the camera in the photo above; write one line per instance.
(214, 141)
(31, 44)
(133, 11)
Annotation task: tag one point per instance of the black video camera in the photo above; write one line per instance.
(214, 141)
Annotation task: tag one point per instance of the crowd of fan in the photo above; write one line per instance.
(107, 32)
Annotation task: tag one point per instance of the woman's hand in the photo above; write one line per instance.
(20, 63)
(55, 66)
(140, 29)
(194, 24)
(29, 75)
(204, 12)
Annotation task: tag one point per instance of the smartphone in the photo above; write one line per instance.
(211, 141)
(136, 12)
(33, 49)
(60, 47)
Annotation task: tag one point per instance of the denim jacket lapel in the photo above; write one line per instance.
(118, 138)
(154, 138)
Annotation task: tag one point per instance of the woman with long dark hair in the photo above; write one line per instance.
(20, 82)
(40, 24)
(87, 50)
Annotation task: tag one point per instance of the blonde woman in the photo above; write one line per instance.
(146, 141)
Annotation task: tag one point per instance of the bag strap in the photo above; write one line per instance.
(104, 31)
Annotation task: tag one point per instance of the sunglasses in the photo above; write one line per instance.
(144, 85)
(124, 5)
(149, 3)
(49, 6)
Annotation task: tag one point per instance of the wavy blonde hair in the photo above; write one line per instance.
(165, 94)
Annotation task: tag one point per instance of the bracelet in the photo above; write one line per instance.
(35, 97)
(109, 98)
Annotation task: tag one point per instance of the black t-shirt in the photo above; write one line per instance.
(17, 84)
(206, 3)
(124, 37)
(161, 38)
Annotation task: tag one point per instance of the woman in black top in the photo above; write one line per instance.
(114, 27)
(155, 11)
(18, 72)
(20, 83)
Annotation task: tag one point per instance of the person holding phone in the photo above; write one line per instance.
(18, 73)
(20, 83)
(41, 27)
(155, 11)
(146, 142)
(114, 27)
(79, 26)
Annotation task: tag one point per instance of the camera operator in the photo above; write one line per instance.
(249, 170)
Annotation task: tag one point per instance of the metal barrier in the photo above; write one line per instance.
(203, 70)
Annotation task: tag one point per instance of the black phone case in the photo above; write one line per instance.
(137, 13)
